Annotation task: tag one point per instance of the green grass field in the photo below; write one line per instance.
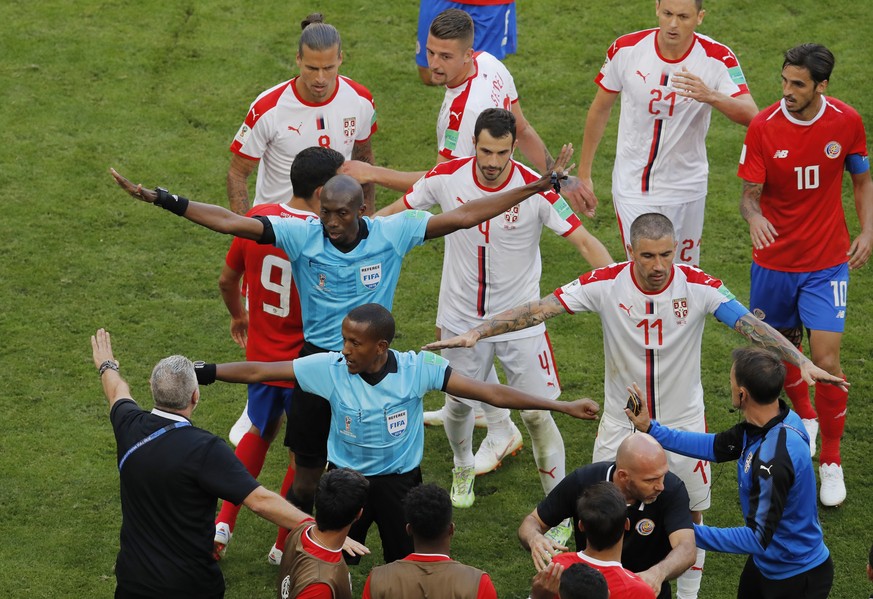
(157, 89)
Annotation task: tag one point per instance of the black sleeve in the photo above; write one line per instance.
(728, 445)
(446, 379)
(223, 475)
(675, 501)
(560, 503)
(269, 236)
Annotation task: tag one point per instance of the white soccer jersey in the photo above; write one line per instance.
(491, 86)
(652, 339)
(495, 266)
(661, 150)
(280, 124)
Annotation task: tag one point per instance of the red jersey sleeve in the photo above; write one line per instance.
(486, 588)
(366, 594)
(318, 590)
(752, 167)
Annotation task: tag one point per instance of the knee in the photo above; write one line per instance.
(536, 418)
(829, 362)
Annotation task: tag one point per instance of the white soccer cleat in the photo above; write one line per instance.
(462, 494)
(811, 426)
(240, 427)
(833, 487)
(275, 556)
(221, 540)
(437, 418)
(493, 450)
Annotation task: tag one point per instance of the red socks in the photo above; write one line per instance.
(251, 451)
(832, 404)
(798, 391)
(286, 486)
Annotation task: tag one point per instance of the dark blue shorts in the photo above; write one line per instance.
(267, 403)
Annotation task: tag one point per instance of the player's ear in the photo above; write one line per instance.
(822, 86)
(451, 529)
(409, 530)
(627, 523)
(700, 16)
(382, 346)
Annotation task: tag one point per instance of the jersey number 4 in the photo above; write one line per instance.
(280, 285)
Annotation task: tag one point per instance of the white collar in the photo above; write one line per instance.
(169, 415)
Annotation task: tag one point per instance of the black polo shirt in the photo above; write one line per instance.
(647, 541)
(169, 490)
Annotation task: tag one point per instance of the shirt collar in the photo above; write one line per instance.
(169, 415)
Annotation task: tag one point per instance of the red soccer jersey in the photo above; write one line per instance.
(275, 323)
(801, 165)
(622, 584)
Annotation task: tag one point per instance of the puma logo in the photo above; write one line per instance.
(767, 468)
(296, 129)
(643, 76)
(625, 308)
(549, 472)
(456, 115)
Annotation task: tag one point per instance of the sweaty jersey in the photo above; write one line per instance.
(801, 165)
(331, 282)
(491, 86)
(275, 330)
(622, 584)
(660, 155)
(651, 338)
(376, 421)
(495, 266)
(280, 124)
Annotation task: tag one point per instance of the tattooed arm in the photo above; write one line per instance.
(521, 317)
(761, 333)
(761, 230)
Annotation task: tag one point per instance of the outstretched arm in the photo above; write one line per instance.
(515, 319)
(363, 151)
(114, 387)
(502, 396)
(244, 372)
(367, 174)
(210, 216)
(758, 331)
(478, 211)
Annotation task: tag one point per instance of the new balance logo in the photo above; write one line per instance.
(781, 154)
(841, 314)
(642, 76)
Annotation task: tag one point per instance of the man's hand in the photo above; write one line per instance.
(641, 421)
(762, 232)
(101, 348)
(467, 339)
(653, 578)
(546, 582)
(239, 330)
(689, 85)
(583, 409)
(860, 250)
(559, 170)
(580, 195)
(352, 547)
(361, 171)
(813, 374)
(542, 550)
(138, 191)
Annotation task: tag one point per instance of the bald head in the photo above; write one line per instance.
(637, 450)
(343, 189)
(640, 468)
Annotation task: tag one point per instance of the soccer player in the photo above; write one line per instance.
(792, 169)
(429, 572)
(486, 270)
(659, 543)
(495, 25)
(652, 313)
(782, 534)
(669, 79)
(603, 516)
(270, 327)
(579, 581)
(312, 564)
(375, 396)
(317, 108)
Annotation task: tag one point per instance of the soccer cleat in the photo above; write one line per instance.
(437, 418)
(833, 487)
(462, 493)
(221, 540)
(561, 533)
(240, 427)
(493, 450)
(275, 556)
(811, 426)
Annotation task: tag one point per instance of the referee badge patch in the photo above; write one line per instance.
(371, 275)
(645, 527)
(396, 423)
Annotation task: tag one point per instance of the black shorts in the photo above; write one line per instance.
(308, 423)
(813, 584)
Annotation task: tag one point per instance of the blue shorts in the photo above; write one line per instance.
(787, 300)
(267, 403)
(495, 28)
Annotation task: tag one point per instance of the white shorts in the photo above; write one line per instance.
(687, 221)
(694, 473)
(528, 362)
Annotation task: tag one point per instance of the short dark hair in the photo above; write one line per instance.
(581, 581)
(318, 35)
(343, 188)
(499, 122)
(602, 510)
(340, 496)
(453, 24)
(428, 511)
(379, 321)
(760, 371)
(815, 58)
(652, 225)
(312, 168)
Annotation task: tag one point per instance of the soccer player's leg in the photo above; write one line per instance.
(822, 304)
(775, 298)
(697, 476)
(387, 494)
(687, 219)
